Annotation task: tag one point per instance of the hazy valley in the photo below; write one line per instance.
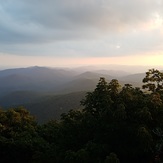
(48, 92)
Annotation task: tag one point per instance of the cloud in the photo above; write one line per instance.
(50, 20)
(84, 28)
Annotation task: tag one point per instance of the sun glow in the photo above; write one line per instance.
(19, 61)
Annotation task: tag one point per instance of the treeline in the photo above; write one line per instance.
(117, 125)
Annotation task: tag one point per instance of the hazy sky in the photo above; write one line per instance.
(72, 32)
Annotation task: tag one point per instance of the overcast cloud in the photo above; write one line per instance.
(81, 28)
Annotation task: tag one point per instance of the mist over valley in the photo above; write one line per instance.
(47, 92)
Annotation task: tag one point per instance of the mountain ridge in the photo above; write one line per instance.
(33, 87)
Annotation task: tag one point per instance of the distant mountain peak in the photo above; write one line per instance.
(37, 67)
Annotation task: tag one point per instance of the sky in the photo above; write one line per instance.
(86, 32)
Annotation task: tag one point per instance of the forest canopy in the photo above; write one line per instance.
(117, 124)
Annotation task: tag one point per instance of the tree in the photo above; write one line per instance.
(153, 80)
(112, 158)
(99, 100)
(18, 137)
(114, 88)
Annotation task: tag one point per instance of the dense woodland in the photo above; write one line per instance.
(116, 125)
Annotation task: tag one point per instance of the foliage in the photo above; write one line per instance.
(153, 80)
(18, 136)
(112, 158)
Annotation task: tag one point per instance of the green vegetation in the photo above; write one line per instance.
(116, 125)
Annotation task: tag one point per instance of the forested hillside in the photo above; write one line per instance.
(48, 92)
(117, 124)
(44, 107)
(51, 107)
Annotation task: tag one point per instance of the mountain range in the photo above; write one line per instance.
(48, 92)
